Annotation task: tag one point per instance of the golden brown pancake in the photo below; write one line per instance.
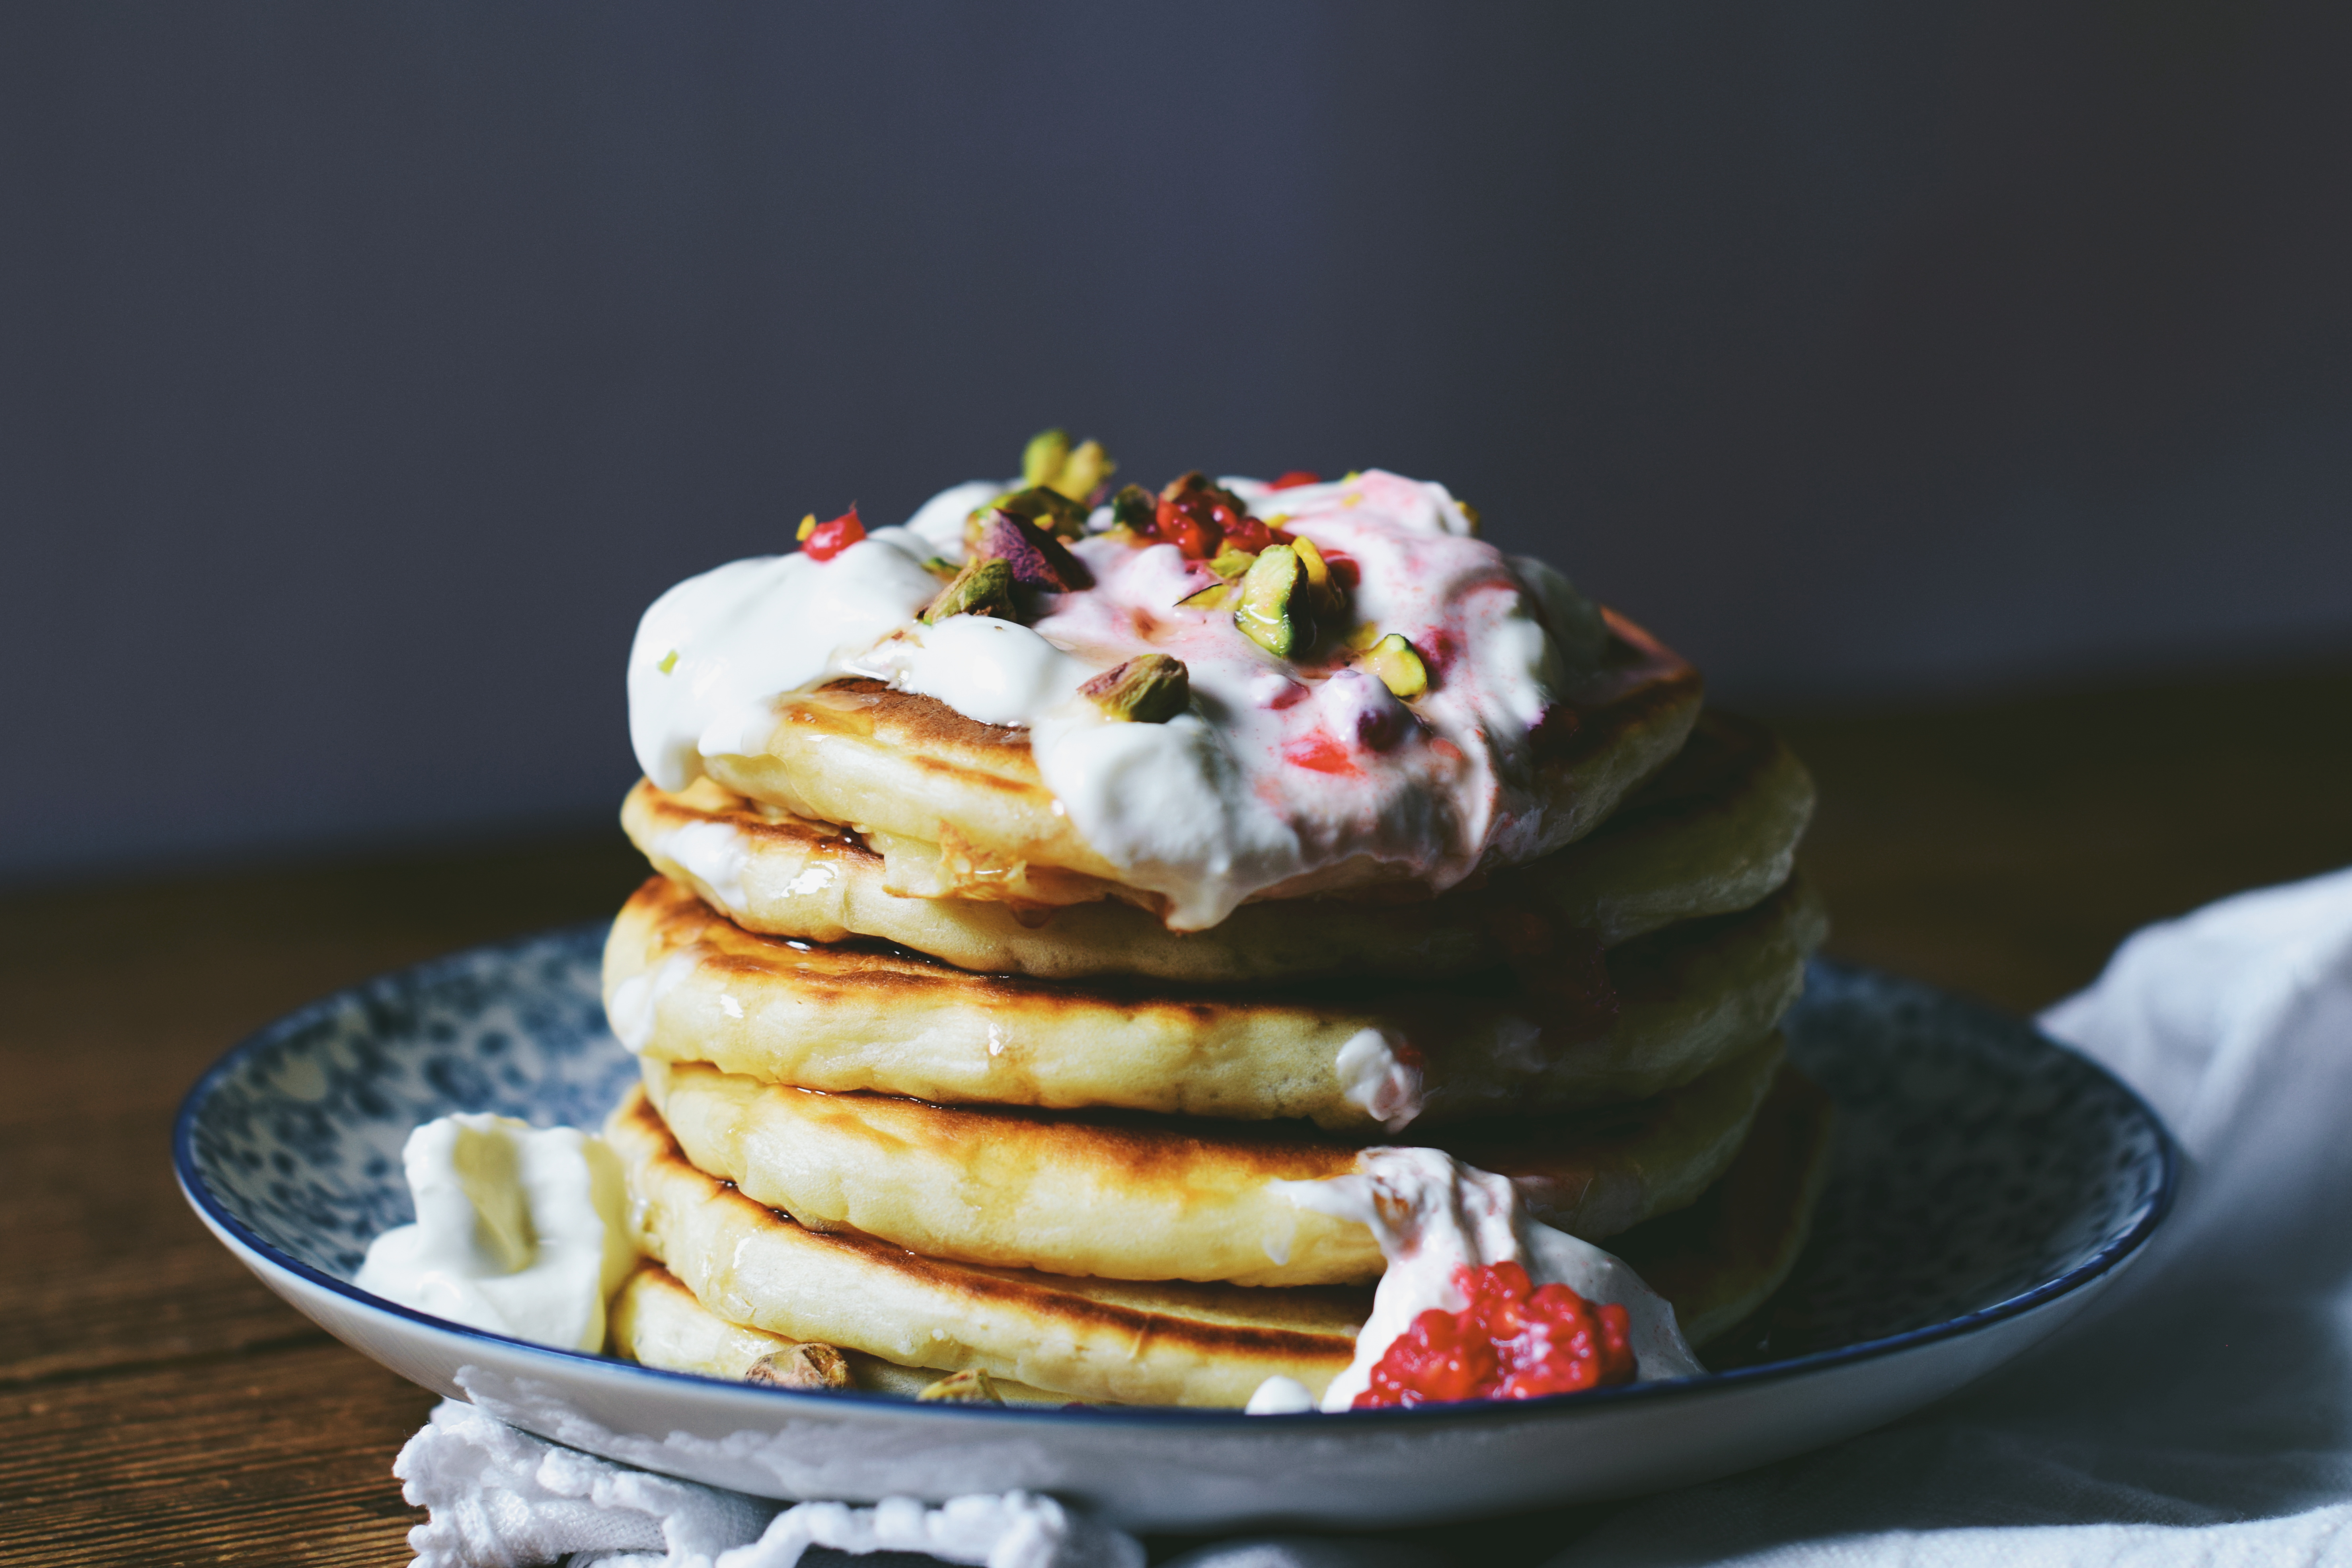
(684, 984)
(657, 1321)
(858, 754)
(1087, 1338)
(1123, 1197)
(1715, 832)
(1722, 1257)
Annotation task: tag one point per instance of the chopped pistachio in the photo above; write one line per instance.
(1322, 591)
(971, 1387)
(1216, 596)
(809, 1365)
(1150, 689)
(1362, 637)
(1043, 458)
(1050, 462)
(668, 662)
(1048, 509)
(940, 566)
(982, 588)
(1036, 558)
(1232, 562)
(1085, 472)
(1469, 515)
(807, 527)
(1134, 507)
(1399, 666)
(1275, 611)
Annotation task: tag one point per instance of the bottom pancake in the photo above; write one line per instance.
(1129, 1196)
(657, 1321)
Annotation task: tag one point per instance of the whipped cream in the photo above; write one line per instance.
(1434, 1215)
(519, 1230)
(1279, 774)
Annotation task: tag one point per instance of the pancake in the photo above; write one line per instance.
(657, 1321)
(684, 984)
(1123, 1196)
(1721, 1258)
(1085, 1339)
(881, 761)
(1715, 832)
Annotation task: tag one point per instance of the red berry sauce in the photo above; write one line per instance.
(1514, 1340)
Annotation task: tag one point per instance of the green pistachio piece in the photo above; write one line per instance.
(1273, 612)
(1087, 469)
(1231, 563)
(1050, 510)
(1216, 596)
(1133, 509)
(1150, 689)
(982, 588)
(668, 662)
(1050, 462)
(1398, 664)
(1042, 459)
(971, 1387)
(810, 1366)
(942, 568)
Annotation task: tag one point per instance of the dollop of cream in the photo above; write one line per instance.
(714, 853)
(1279, 774)
(519, 1230)
(1380, 1079)
(1432, 1214)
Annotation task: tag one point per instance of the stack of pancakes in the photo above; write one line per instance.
(922, 1081)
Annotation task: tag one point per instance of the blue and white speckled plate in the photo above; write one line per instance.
(1988, 1184)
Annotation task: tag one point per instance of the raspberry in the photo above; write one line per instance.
(823, 540)
(1512, 1340)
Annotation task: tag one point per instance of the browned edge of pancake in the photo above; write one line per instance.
(1720, 1259)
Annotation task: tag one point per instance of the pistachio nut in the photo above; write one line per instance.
(809, 1365)
(1399, 666)
(984, 587)
(1149, 689)
(971, 1387)
(1275, 611)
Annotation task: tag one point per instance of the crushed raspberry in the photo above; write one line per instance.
(823, 540)
(1320, 753)
(1514, 1340)
(1296, 477)
(1199, 518)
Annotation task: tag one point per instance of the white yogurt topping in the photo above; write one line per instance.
(713, 853)
(1374, 1076)
(519, 1230)
(1432, 1214)
(1279, 774)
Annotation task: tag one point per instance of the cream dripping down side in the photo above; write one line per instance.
(1217, 804)
(1434, 1215)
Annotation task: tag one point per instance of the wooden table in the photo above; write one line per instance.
(157, 1404)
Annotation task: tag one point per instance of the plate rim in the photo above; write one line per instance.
(215, 1213)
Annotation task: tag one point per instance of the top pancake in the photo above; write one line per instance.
(885, 761)
(1714, 831)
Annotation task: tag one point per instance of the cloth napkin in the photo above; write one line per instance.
(2201, 1414)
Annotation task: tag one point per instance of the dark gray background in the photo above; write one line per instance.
(364, 369)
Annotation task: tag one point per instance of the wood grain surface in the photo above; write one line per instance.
(158, 1406)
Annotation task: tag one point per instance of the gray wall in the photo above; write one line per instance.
(364, 369)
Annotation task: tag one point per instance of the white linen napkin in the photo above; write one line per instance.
(503, 1498)
(2202, 1415)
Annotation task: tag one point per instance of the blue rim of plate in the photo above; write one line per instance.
(2100, 1263)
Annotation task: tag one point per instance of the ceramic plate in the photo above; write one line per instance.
(1987, 1185)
